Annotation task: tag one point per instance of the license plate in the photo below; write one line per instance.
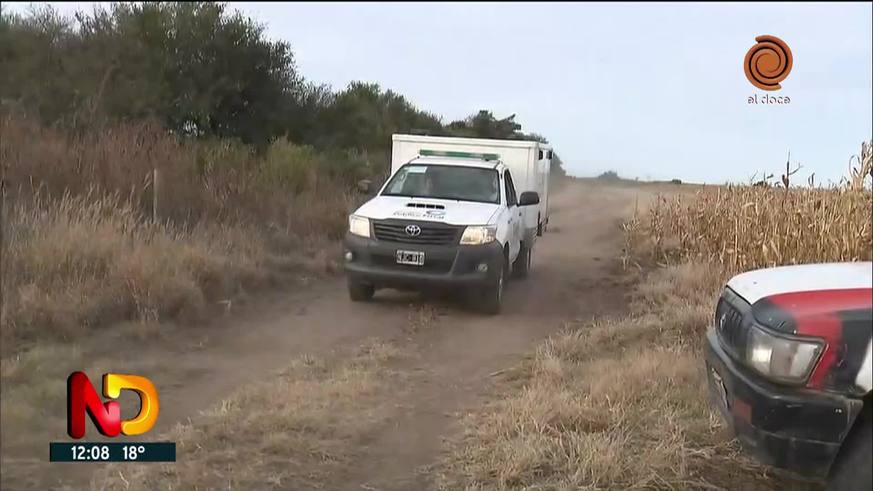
(719, 388)
(412, 258)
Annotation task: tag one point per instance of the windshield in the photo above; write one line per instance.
(445, 182)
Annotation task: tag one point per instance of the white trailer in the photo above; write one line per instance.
(528, 161)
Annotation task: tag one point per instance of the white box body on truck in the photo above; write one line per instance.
(529, 161)
(450, 216)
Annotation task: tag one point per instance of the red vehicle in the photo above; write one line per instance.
(789, 364)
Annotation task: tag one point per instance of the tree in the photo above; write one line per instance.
(32, 54)
(197, 68)
(484, 125)
(364, 117)
(556, 169)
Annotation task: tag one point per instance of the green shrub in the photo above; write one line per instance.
(292, 167)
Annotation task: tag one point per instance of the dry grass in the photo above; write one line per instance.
(80, 262)
(198, 180)
(622, 404)
(298, 430)
(82, 247)
(37, 380)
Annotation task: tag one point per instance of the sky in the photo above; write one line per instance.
(653, 91)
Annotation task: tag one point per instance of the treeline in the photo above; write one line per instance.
(205, 72)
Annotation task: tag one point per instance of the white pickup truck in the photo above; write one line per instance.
(444, 219)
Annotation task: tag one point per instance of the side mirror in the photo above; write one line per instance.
(528, 198)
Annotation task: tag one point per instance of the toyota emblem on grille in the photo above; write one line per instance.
(413, 230)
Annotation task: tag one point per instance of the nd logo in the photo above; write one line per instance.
(82, 398)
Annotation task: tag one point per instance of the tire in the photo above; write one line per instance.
(492, 296)
(360, 292)
(521, 266)
(852, 470)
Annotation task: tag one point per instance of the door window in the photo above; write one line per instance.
(511, 199)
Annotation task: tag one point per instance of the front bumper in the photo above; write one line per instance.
(792, 428)
(445, 267)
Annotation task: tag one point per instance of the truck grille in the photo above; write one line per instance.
(729, 323)
(430, 234)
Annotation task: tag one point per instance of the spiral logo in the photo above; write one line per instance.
(768, 63)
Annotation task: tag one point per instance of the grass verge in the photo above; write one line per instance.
(133, 223)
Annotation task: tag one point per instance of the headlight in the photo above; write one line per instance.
(359, 225)
(479, 235)
(781, 358)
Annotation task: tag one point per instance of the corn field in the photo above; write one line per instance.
(747, 227)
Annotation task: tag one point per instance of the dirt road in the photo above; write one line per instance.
(453, 350)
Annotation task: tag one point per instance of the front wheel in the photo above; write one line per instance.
(360, 292)
(521, 266)
(492, 296)
(852, 470)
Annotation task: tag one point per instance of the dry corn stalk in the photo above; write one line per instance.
(746, 227)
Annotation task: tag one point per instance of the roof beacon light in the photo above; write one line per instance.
(459, 155)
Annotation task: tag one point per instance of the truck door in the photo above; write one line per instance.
(538, 182)
(516, 220)
(544, 189)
